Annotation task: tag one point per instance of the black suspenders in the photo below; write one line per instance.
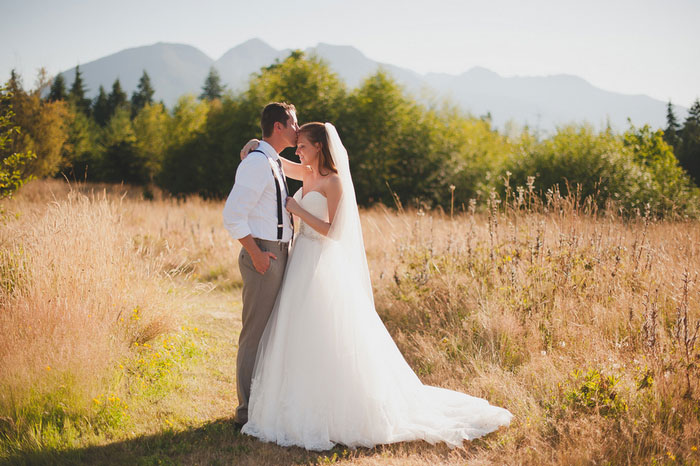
(280, 221)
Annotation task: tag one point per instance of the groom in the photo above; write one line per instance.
(255, 215)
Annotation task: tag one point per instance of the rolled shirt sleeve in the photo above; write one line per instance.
(251, 178)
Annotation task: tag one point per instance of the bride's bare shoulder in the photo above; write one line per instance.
(333, 181)
(332, 185)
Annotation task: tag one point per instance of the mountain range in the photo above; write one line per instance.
(541, 102)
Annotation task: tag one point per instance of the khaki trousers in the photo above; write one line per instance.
(259, 295)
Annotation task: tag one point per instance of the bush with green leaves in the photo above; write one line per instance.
(12, 163)
(422, 154)
(633, 169)
(669, 189)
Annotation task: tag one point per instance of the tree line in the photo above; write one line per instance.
(428, 154)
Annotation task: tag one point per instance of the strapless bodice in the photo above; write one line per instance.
(316, 204)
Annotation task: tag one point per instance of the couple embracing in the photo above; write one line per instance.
(315, 364)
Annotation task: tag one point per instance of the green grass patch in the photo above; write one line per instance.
(68, 416)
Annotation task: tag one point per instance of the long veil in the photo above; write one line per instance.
(346, 230)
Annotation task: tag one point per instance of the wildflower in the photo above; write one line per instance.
(48, 368)
(97, 401)
(121, 366)
(694, 448)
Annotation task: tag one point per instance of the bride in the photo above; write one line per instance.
(327, 371)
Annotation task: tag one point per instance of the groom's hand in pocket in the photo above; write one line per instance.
(261, 261)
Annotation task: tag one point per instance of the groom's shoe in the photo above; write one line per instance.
(237, 426)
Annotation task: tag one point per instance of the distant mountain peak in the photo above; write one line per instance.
(344, 52)
(481, 72)
(254, 41)
(176, 69)
(250, 47)
(239, 62)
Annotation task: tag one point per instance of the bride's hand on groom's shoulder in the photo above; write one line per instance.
(249, 146)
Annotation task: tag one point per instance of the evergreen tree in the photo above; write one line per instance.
(143, 95)
(694, 112)
(212, 89)
(82, 153)
(120, 161)
(14, 84)
(77, 93)
(100, 108)
(689, 147)
(117, 98)
(672, 126)
(58, 89)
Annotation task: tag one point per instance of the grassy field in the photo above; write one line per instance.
(119, 320)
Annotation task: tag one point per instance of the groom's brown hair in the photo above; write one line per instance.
(275, 112)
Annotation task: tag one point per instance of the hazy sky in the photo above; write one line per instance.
(647, 47)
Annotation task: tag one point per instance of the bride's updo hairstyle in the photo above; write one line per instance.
(316, 133)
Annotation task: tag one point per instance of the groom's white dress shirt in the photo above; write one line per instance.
(251, 207)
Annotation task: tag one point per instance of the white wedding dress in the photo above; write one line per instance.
(327, 370)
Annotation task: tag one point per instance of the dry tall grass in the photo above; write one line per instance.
(585, 327)
(85, 273)
(582, 323)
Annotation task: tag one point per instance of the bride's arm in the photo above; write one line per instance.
(333, 193)
(291, 169)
